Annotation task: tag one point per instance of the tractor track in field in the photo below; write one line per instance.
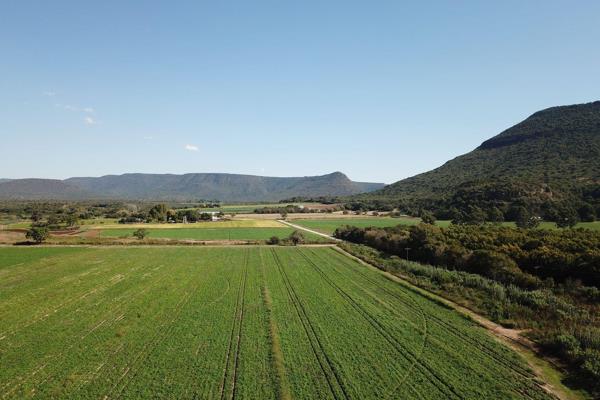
(490, 352)
(236, 323)
(413, 364)
(120, 307)
(277, 362)
(413, 360)
(236, 361)
(43, 315)
(326, 365)
(161, 333)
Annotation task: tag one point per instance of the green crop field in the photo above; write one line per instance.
(329, 225)
(212, 233)
(234, 322)
(240, 208)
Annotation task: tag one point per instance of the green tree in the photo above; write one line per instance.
(158, 213)
(53, 222)
(205, 217)
(495, 215)
(38, 233)
(296, 238)
(427, 217)
(472, 216)
(524, 219)
(494, 265)
(71, 220)
(587, 213)
(567, 217)
(140, 233)
(36, 215)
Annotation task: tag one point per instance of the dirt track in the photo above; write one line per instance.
(308, 230)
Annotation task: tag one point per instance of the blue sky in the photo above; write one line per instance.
(379, 90)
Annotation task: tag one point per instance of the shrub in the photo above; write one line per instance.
(567, 345)
(273, 240)
(591, 365)
(140, 233)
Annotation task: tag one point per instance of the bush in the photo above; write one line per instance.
(140, 233)
(567, 345)
(273, 240)
(591, 365)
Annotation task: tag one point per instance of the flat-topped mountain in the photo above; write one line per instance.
(217, 186)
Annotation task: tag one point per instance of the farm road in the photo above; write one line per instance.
(309, 230)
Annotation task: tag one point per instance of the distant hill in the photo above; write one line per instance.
(214, 186)
(552, 156)
(35, 189)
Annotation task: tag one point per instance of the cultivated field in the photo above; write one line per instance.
(200, 225)
(234, 322)
(211, 233)
(329, 225)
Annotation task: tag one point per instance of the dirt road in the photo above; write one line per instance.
(308, 230)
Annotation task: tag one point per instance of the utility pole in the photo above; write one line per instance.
(407, 249)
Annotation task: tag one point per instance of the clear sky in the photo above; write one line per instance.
(379, 90)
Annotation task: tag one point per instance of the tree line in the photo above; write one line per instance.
(529, 258)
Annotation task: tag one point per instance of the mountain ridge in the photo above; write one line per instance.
(179, 187)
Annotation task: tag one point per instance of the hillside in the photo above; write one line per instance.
(223, 187)
(554, 155)
(36, 189)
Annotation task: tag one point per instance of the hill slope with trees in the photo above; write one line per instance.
(545, 163)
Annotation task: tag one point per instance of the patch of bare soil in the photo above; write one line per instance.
(11, 236)
(66, 232)
(90, 233)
